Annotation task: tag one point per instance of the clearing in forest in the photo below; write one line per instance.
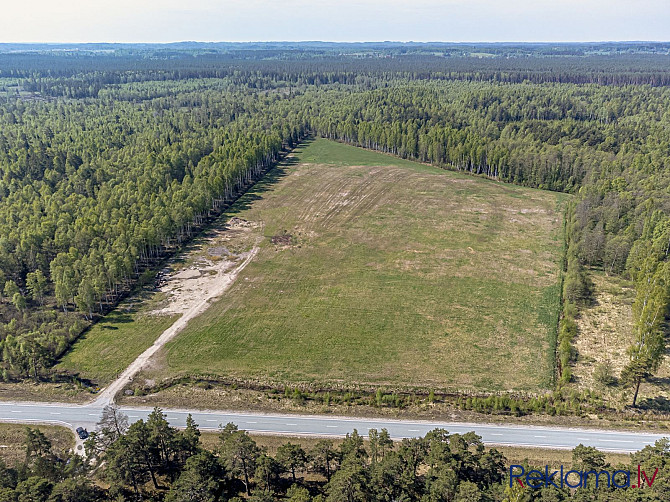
(383, 272)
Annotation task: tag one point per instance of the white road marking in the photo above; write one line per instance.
(539, 436)
(15, 411)
(332, 426)
(615, 441)
(54, 413)
(250, 422)
(496, 434)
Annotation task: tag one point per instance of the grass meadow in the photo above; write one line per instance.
(375, 271)
(110, 345)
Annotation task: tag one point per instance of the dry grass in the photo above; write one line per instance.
(226, 397)
(43, 392)
(554, 458)
(605, 331)
(12, 437)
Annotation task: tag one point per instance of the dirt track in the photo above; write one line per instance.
(191, 308)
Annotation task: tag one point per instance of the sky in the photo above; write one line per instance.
(333, 20)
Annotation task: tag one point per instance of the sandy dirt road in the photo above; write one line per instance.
(224, 279)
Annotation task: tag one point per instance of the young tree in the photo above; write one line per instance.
(296, 493)
(76, 490)
(36, 283)
(19, 302)
(35, 488)
(11, 289)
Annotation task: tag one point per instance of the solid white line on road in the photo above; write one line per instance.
(54, 413)
(412, 430)
(539, 436)
(615, 441)
(15, 411)
(211, 420)
(496, 434)
(92, 414)
(250, 422)
(332, 426)
(291, 424)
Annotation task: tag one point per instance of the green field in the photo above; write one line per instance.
(383, 272)
(109, 346)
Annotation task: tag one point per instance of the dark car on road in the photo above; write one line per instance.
(82, 433)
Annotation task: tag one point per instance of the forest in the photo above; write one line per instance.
(111, 162)
(151, 460)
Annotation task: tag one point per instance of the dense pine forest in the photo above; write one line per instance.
(111, 161)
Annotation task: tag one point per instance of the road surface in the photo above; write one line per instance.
(312, 425)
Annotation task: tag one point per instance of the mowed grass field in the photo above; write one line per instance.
(110, 345)
(383, 272)
(106, 349)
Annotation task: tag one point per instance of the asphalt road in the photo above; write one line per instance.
(309, 425)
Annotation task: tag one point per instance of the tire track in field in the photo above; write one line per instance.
(341, 199)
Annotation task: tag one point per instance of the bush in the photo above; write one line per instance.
(603, 374)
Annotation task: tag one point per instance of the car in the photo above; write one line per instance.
(82, 433)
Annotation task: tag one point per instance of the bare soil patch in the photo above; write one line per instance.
(192, 277)
(605, 331)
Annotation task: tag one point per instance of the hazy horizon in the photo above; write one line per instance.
(452, 21)
(325, 41)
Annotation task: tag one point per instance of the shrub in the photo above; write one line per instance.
(603, 374)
